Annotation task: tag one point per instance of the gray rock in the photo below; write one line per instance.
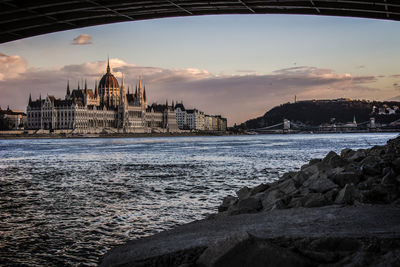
(396, 164)
(335, 171)
(347, 195)
(213, 254)
(358, 155)
(288, 186)
(247, 205)
(250, 251)
(334, 160)
(310, 170)
(314, 161)
(371, 165)
(344, 178)
(300, 177)
(389, 178)
(330, 196)
(288, 175)
(347, 152)
(226, 203)
(270, 198)
(319, 183)
(243, 192)
(315, 200)
(258, 189)
(329, 156)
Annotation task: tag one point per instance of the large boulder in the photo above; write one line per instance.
(344, 178)
(347, 195)
(288, 186)
(247, 205)
(357, 155)
(334, 160)
(371, 165)
(258, 189)
(243, 192)
(272, 199)
(319, 183)
(226, 203)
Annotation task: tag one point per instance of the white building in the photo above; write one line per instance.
(194, 119)
(108, 109)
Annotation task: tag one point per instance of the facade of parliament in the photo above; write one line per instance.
(109, 108)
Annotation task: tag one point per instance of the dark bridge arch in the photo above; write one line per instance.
(24, 18)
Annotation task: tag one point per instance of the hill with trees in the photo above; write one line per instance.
(317, 112)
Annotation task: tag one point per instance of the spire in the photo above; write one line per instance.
(128, 89)
(108, 65)
(96, 92)
(173, 104)
(85, 87)
(166, 103)
(30, 98)
(68, 91)
(136, 92)
(78, 86)
(140, 81)
(144, 93)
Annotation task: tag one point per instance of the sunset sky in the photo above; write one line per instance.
(237, 66)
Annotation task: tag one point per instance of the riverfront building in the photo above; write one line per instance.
(108, 108)
(193, 119)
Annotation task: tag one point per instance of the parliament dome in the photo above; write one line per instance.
(108, 80)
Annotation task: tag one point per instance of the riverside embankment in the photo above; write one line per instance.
(340, 210)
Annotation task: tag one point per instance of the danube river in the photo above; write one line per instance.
(67, 201)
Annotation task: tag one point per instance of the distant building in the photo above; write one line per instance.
(12, 119)
(107, 108)
(194, 119)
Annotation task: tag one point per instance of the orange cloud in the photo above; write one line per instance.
(82, 39)
(238, 97)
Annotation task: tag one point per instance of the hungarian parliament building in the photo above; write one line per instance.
(110, 109)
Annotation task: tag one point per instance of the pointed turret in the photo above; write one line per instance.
(136, 92)
(144, 97)
(30, 99)
(79, 88)
(85, 87)
(173, 104)
(108, 65)
(68, 91)
(96, 91)
(128, 89)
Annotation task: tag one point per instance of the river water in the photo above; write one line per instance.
(67, 201)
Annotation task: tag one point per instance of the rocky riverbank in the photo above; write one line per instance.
(340, 210)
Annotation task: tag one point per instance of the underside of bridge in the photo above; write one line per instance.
(24, 18)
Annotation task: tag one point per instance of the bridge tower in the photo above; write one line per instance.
(286, 125)
(372, 125)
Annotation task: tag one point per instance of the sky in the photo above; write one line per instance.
(238, 66)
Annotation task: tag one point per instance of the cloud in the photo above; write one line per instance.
(395, 76)
(82, 39)
(11, 66)
(238, 97)
(396, 86)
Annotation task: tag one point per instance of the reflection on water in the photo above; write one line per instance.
(66, 201)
